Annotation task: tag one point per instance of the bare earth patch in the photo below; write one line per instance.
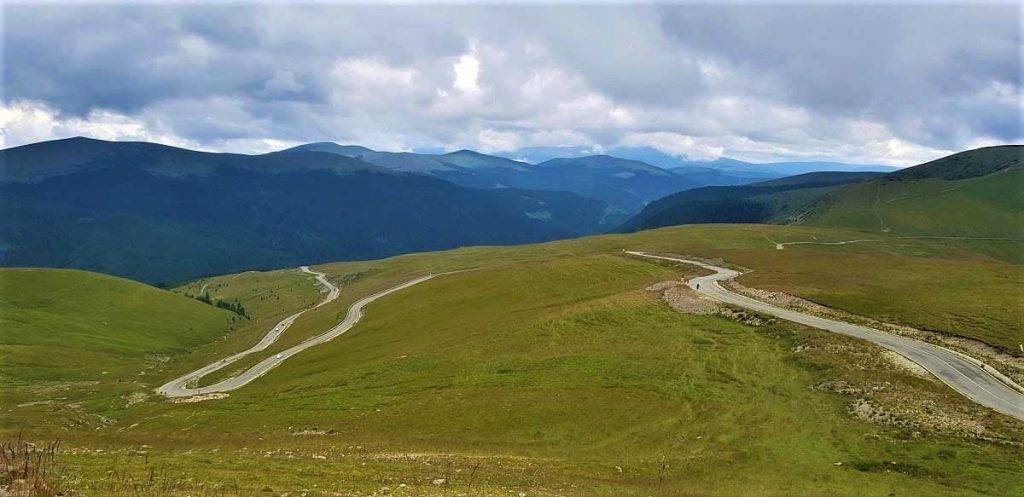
(684, 299)
(923, 415)
(135, 398)
(885, 390)
(200, 398)
(892, 404)
(312, 432)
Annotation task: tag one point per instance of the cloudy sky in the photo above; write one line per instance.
(895, 84)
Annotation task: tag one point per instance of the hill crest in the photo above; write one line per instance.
(966, 164)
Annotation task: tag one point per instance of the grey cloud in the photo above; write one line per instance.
(784, 76)
(864, 60)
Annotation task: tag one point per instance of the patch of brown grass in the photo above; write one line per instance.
(27, 469)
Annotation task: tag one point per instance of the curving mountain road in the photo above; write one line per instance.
(970, 377)
(178, 386)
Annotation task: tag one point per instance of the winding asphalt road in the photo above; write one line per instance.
(178, 387)
(970, 377)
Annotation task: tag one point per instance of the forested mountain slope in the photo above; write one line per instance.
(162, 214)
(766, 201)
(625, 185)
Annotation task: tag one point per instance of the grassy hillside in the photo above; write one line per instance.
(548, 370)
(969, 164)
(88, 338)
(979, 193)
(872, 279)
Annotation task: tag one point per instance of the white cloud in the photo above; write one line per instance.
(373, 72)
(467, 71)
(563, 137)
(675, 144)
(498, 141)
(583, 111)
(25, 121)
(900, 152)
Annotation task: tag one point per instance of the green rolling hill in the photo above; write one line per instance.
(490, 379)
(486, 382)
(973, 194)
(88, 338)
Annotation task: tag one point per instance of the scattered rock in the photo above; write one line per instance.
(439, 481)
(838, 386)
(200, 398)
(135, 398)
(306, 432)
(744, 316)
(865, 410)
(35, 403)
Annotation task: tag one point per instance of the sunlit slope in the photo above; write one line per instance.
(979, 193)
(78, 333)
(968, 293)
(546, 368)
(548, 365)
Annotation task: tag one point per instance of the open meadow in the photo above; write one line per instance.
(545, 370)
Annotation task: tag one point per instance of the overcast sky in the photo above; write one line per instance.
(896, 84)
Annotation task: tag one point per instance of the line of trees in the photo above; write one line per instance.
(235, 307)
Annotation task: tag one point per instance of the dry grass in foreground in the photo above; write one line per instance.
(27, 469)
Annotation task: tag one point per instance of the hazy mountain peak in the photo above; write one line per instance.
(466, 151)
(472, 159)
(606, 162)
(332, 148)
(38, 161)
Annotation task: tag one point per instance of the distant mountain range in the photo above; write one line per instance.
(625, 185)
(626, 179)
(973, 194)
(164, 214)
(724, 165)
